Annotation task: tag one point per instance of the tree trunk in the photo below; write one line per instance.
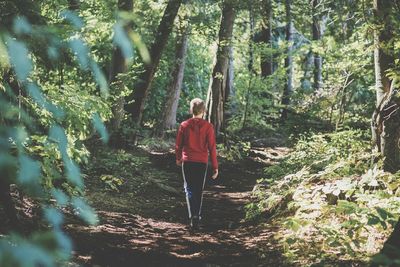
(174, 89)
(307, 67)
(316, 33)
(287, 91)
(266, 32)
(119, 65)
(230, 90)
(143, 85)
(385, 125)
(250, 66)
(382, 59)
(73, 5)
(217, 89)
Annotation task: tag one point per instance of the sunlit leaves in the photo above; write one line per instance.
(57, 134)
(72, 18)
(33, 100)
(19, 57)
(81, 51)
(36, 94)
(4, 59)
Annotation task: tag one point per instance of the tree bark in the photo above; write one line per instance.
(307, 67)
(288, 88)
(385, 123)
(119, 65)
(316, 33)
(143, 85)
(230, 90)
(73, 5)
(174, 89)
(383, 60)
(217, 89)
(250, 66)
(266, 32)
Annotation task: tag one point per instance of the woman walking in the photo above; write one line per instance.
(194, 141)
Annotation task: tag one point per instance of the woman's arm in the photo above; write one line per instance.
(179, 146)
(212, 148)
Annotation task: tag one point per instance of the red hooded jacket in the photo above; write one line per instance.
(195, 139)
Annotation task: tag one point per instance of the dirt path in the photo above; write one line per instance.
(151, 230)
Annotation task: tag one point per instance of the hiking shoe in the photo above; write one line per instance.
(194, 223)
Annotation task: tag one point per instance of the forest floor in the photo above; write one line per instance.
(138, 195)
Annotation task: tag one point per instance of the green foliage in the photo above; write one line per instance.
(331, 198)
(234, 150)
(111, 182)
(53, 105)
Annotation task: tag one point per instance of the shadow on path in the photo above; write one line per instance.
(157, 234)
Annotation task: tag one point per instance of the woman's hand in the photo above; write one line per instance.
(215, 174)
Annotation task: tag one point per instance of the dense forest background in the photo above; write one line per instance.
(317, 77)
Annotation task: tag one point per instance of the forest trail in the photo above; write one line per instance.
(148, 227)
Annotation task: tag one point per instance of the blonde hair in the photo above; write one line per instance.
(197, 106)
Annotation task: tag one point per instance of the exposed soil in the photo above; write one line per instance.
(145, 223)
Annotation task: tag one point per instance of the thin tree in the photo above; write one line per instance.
(250, 65)
(288, 88)
(217, 89)
(266, 35)
(316, 34)
(168, 117)
(119, 65)
(142, 88)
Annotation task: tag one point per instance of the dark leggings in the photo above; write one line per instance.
(194, 176)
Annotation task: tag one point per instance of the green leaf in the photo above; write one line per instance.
(81, 51)
(123, 42)
(72, 18)
(60, 196)
(21, 26)
(142, 48)
(100, 127)
(64, 243)
(4, 59)
(373, 220)
(85, 211)
(34, 91)
(19, 57)
(19, 136)
(383, 213)
(53, 216)
(100, 79)
(57, 134)
(29, 170)
(73, 173)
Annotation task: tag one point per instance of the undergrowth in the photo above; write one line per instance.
(332, 201)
